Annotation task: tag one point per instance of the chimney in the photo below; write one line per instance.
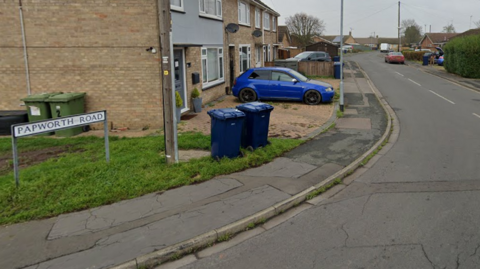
(350, 33)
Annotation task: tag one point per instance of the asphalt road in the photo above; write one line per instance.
(417, 207)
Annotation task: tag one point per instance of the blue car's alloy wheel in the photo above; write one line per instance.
(312, 97)
(247, 95)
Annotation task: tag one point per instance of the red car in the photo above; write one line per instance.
(395, 57)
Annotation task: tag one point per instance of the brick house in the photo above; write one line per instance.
(432, 40)
(103, 48)
(255, 42)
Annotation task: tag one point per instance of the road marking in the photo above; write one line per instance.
(400, 74)
(442, 97)
(415, 82)
(476, 115)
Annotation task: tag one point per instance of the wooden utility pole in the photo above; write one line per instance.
(165, 26)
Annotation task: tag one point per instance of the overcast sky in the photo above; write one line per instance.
(365, 17)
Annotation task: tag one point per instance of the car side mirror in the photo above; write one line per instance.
(294, 80)
(309, 58)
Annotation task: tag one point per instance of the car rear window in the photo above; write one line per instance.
(260, 75)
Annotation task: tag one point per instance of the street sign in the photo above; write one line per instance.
(47, 126)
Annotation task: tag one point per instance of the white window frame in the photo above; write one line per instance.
(247, 12)
(179, 8)
(274, 23)
(258, 18)
(249, 56)
(266, 21)
(218, 9)
(204, 64)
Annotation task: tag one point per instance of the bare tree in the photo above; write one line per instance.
(477, 23)
(304, 27)
(449, 28)
(411, 31)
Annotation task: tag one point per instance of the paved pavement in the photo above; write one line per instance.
(156, 227)
(470, 83)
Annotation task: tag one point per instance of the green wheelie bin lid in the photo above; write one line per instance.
(66, 97)
(39, 97)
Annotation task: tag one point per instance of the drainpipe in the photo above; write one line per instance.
(25, 56)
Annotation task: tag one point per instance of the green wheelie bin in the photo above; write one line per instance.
(38, 108)
(65, 105)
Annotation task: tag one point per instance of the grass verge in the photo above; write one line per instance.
(82, 179)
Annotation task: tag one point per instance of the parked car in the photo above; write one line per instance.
(308, 56)
(395, 57)
(278, 83)
(440, 55)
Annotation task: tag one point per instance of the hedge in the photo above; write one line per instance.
(414, 55)
(462, 56)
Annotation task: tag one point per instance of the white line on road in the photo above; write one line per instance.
(400, 74)
(442, 97)
(415, 82)
(476, 115)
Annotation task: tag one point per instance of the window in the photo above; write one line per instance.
(244, 51)
(211, 8)
(212, 66)
(260, 75)
(176, 5)
(258, 17)
(266, 21)
(280, 76)
(274, 23)
(243, 13)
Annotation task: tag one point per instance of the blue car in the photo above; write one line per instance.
(278, 83)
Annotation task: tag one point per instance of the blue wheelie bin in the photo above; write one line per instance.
(336, 69)
(255, 128)
(336, 58)
(226, 132)
(426, 58)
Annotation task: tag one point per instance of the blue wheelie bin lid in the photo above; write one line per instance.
(226, 113)
(254, 107)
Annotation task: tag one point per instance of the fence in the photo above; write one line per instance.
(321, 69)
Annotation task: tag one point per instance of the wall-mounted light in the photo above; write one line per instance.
(152, 50)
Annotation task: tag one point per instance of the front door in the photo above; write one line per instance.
(179, 68)
(231, 57)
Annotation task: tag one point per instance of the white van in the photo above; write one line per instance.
(384, 47)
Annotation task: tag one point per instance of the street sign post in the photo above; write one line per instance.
(47, 126)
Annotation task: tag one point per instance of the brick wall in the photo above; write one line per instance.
(97, 47)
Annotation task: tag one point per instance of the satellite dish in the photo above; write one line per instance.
(257, 33)
(232, 28)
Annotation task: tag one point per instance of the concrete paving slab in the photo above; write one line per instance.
(128, 245)
(108, 216)
(354, 123)
(350, 111)
(280, 167)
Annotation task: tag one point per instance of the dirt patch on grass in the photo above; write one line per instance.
(32, 157)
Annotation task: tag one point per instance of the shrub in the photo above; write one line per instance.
(413, 55)
(195, 93)
(178, 100)
(461, 56)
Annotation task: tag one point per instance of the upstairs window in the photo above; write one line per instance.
(176, 4)
(274, 23)
(266, 21)
(258, 18)
(211, 8)
(243, 13)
